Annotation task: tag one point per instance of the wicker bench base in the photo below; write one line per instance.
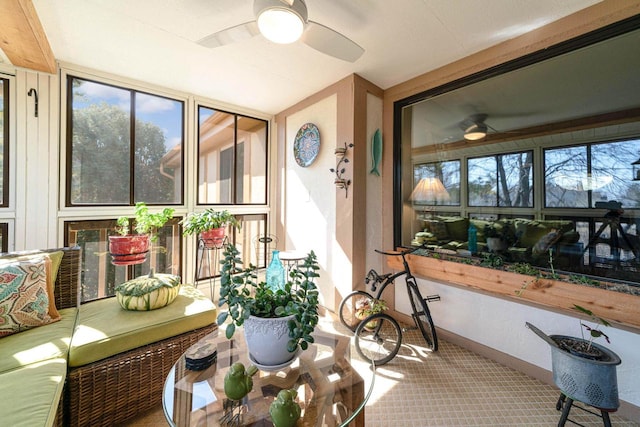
(121, 387)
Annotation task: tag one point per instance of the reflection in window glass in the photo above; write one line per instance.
(449, 175)
(504, 180)
(232, 158)
(565, 177)
(101, 143)
(584, 175)
(4, 142)
(612, 173)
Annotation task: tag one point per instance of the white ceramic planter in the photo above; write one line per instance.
(267, 340)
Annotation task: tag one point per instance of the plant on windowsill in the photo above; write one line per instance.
(277, 322)
(499, 238)
(129, 249)
(210, 224)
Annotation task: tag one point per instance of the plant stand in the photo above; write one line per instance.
(566, 403)
(213, 259)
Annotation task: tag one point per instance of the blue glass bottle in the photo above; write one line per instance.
(473, 239)
(275, 273)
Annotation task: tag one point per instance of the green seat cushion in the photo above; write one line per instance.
(150, 292)
(31, 394)
(104, 329)
(457, 227)
(38, 344)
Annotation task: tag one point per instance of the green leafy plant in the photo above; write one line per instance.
(524, 268)
(208, 219)
(503, 232)
(594, 332)
(145, 221)
(244, 296)
(492, 260)
(371, 306)
(583, 280)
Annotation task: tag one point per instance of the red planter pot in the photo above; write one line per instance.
(129, 250)
(213, 238)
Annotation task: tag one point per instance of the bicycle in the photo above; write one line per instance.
(378, 337)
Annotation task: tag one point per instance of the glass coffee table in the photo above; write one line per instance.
(330, 391)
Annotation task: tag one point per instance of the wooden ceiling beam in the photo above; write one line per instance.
(22, 37)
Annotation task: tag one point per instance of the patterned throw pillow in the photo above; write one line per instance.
(24, 297)
(146, 293)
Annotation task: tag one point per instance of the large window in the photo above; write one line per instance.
(4, 143)
(124, 146)
(501, 180)
(581, 176)
(232, 158)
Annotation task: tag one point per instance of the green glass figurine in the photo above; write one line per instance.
(238, 382)
(284, 410)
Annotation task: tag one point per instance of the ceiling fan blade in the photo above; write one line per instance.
(331, 42)
(231, 35)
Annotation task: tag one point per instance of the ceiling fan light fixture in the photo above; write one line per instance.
(475, 132)
(279, 23)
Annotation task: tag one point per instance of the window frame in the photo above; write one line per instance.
(236, 142)
(69, 77)
(5, 145)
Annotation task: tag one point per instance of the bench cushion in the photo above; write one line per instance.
(30, 394)
(38, 344)
(104, 329)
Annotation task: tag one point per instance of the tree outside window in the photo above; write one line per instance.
(504, 180)
(125, 146)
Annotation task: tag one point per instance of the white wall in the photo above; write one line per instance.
(500, 324)
(310, 197)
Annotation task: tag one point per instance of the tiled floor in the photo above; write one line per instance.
(452, 387)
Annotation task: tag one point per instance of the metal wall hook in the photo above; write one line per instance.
(34, 92)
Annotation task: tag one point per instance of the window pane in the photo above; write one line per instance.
(99, 276)
(481, 176)
(505, 180)
(232, 165)
(612, 173)
(449, 175)
(247, 240)
(102, 141)
(158, 145)
(215, 156)
(251, 172)
(566, 177)
(101, 144)
(515, 177)
(4, 142)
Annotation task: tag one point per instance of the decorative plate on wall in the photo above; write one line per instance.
(306, 145)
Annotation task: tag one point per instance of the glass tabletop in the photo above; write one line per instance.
(330, 390)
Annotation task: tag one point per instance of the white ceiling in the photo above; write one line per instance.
(155, 41)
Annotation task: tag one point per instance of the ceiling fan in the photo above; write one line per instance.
(474, 127)
(286, 21)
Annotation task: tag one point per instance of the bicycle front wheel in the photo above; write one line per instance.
(422, 316)
(378, 338)
(349, 307)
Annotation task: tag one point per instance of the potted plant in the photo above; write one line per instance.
(367, 307)
(277, 322)
(498, 236)
(210, 224)
(581, 366)
(128, 249)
